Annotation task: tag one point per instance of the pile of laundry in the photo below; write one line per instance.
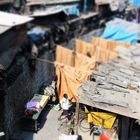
(36, 104)
(33, 105)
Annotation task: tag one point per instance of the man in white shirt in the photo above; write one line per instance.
(65, 104)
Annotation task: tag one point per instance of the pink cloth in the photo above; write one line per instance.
(34, 105)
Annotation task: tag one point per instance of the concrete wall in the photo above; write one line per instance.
(27, 83)
(23, 89)
(1, 114)
(12, 38)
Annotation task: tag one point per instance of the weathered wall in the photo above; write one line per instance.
(23, 89)
(12, 38)
(1, 114)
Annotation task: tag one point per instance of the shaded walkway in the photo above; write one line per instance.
(49, 127)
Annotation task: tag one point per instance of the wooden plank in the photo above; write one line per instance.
(111, 108)
(77, 117)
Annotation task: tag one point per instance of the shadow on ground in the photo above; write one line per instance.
(27, 130)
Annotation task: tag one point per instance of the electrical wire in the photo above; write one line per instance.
(82, 127)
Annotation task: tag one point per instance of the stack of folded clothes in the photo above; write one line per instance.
(36, 104)
(33, 105)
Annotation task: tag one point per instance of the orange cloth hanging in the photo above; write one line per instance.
(75, 68)
(108, 44)
(96, 52)
(69, 79)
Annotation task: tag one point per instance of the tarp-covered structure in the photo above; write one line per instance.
(75, 66)
(115, 86)
(121, 30)
(71, 69)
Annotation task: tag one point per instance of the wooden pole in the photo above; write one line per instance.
(74, 55)
(77, 118)
(77, 103)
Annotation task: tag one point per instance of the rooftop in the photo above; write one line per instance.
(10, 20)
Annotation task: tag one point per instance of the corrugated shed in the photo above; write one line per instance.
(9, 20)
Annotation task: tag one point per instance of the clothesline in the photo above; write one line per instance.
(57, 63)
(46, 61)
(50, 62)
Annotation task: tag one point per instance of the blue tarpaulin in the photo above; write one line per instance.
(73, 10)
(135, 2)
(122, 31)
(120, 34)
(36, 34)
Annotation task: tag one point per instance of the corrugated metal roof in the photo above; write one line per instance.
(51, 11)
(37, 2)
(9, 20)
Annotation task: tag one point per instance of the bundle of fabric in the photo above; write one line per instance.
(36, 104)
(33, 105)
